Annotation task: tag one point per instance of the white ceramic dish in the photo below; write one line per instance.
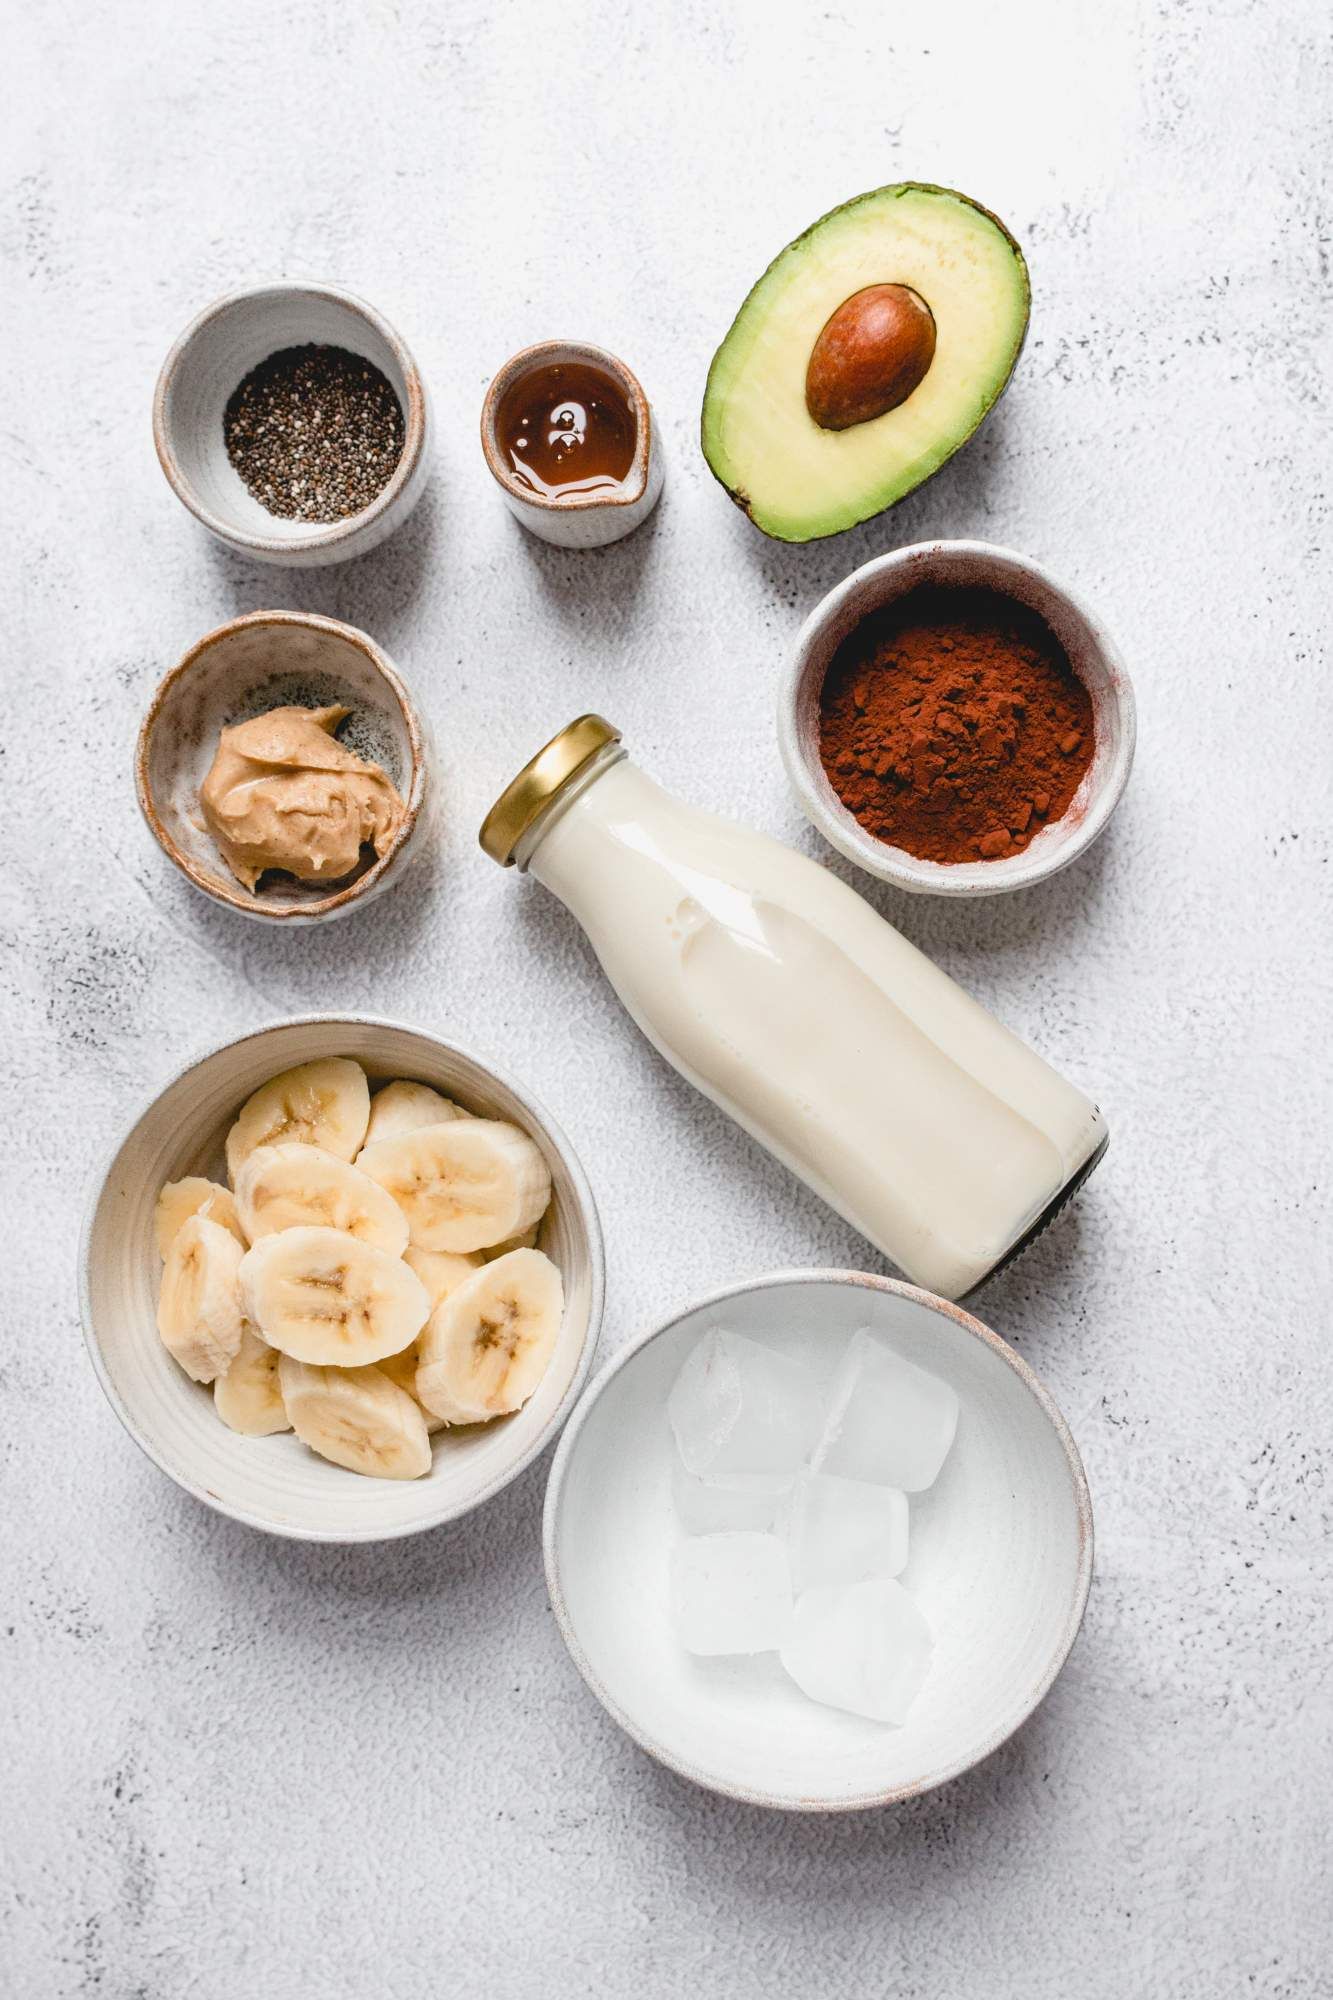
(1000, 1559)
(1091, 654)
(210, 361)
(583, 520)
(270, 659)
(275, 1482)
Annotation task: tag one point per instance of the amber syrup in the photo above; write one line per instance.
(566, 430)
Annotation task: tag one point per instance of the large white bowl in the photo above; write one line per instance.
(1000, 1561)
(1091, 653)
(275, 1482)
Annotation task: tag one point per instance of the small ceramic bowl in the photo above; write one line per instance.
(275, 1482)
(210, 361)
(1000, 1557)
(271, 659)
(1091, 654)
(584, 520)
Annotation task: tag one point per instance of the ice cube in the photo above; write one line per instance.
(739, 1407)
(843, 1530)
(864, 1647)
(734, 1500)
(731, 1593)
(888, 1421)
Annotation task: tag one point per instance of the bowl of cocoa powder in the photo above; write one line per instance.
(955, 721)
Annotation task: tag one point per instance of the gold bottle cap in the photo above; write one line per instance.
(529, 794)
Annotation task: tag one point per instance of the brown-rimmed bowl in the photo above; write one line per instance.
(1089, 649)
(1000, 1556)
(208, 363)
(580, 520)
(265, 660)
(275, 1483)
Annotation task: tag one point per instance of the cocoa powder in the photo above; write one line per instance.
(952, 725)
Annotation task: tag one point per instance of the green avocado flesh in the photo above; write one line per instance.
(797, 481)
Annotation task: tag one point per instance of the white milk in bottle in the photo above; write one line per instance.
(782, 996)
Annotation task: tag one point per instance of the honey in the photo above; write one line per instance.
(567, 430)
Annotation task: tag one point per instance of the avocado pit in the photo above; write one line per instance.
(871, 354)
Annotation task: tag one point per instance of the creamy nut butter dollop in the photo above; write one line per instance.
(283, 794)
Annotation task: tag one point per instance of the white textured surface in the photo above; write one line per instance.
(233, 1766)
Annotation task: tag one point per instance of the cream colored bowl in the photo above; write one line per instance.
(274, 659)
(210, 361)
(275, 1482)
(1000, 1557)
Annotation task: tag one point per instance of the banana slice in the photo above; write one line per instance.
(527, 1241)
(464, 1185)
(441, 1271)
(357, 1417)
(405, 1107)
(325, 1297)
(324, 1103)
(294, 1187)
(179, 1200)
(402, 1369)
(248, 1398)
(488, 1344)
(199, 1306)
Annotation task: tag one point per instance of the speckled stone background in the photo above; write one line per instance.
(233, 1766)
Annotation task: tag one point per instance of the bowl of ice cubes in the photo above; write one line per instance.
(823, 1541)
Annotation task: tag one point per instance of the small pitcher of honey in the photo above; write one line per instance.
(571, 443)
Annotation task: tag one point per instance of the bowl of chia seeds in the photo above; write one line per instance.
(292, 421)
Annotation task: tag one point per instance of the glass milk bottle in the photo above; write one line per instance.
(782, 996)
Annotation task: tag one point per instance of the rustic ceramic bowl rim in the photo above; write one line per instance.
(322, 535)
(541, 1121)
(218, 887)
(541, 354)
(568, 1445)
(894, 864)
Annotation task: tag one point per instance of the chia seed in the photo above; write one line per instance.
(315, 432)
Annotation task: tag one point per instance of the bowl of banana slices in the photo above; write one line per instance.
(342, 1280)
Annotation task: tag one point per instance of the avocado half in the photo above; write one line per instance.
(797, 481)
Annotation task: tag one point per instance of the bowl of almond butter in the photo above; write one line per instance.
(285, 770)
